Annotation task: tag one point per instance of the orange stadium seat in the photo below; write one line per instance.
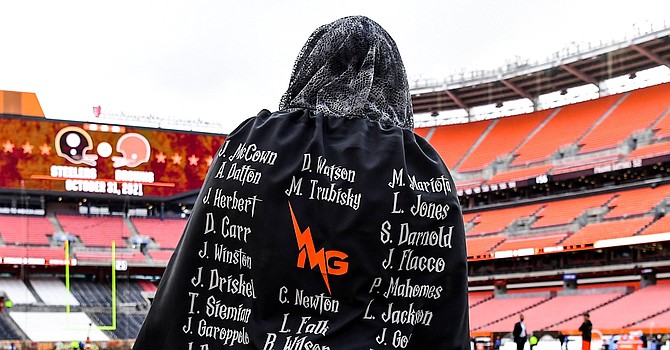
(662, 128)
(520, 174)
(31, 230)
(661, 320)
(147, 286)
(591, 233)
(423, 132)
(452, 142)
(650, 151)
(531, 241)
(626, 310)
(32, 252)
(480, 246)
(637, 201)
(637, 111)
(506, 135)
(161, 255)
(96, 231)
(475, 298)
(565, 128)
(585, 164)
(565, 211)
(469, 217)
(492, 221)
(165, 232)
(661, 225)
(107, 256)
(496, 309)
(555, 310)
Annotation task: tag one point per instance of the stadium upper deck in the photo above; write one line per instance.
(573, 67)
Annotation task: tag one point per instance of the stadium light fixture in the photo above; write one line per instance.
(564, 92)
(499, 105)
(632, 76)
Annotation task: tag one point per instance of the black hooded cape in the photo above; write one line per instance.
(327, 225)
(313, 232)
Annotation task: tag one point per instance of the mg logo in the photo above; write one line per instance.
(329, 262)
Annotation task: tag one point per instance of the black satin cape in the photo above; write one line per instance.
(315, 232)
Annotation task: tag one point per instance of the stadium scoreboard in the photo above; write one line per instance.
(63, 156)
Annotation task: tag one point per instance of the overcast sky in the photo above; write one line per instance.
(226, 60)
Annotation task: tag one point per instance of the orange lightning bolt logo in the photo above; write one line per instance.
(330, 262)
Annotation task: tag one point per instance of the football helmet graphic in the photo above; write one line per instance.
(72, 143)
(135, 149)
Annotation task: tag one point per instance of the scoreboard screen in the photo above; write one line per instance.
(115, 160)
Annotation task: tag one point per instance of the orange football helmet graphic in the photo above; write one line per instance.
(135, 150)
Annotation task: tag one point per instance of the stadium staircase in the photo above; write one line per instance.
(9, 329)
(547, 297)
(33, 291)
(475, 145)
(602, 118)
(590, 309)
(638, 322)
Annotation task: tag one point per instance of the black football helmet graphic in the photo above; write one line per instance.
(72, 143)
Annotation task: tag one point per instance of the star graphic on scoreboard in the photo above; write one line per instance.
(209, 160)
(45, 149)
(27, 148)
(193, 160)
(8, 147)
(160, 157)
(176, 158)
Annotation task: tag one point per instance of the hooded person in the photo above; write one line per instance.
(326, 225)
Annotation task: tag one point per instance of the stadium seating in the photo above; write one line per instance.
(31, 230)
(562, 212)
(636, 112)
(661, 225)
(480, 246)
(662, 319)
(53, 292)
(106, 256)
(147, 286)
(128, 325)
(496, 309)
(475, 298)
(662, 128)
(423, 132)
(452, 142)
(520, 174)
(493, 221)
(555, 310)
(17, 291)
(570, 123)
(607, 230)
(55, 326)
(96, 231)
(627, 310)
(637, 201)
(6, 331)
(32, 252)
(90, 293)
(506, 134)
(650, 151)
(164, 232)
(129, 291)
(531, 241)
(161, 255)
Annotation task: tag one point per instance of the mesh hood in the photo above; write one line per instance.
(351, 68)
